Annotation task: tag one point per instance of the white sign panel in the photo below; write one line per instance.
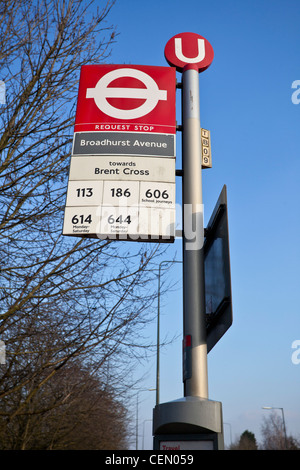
(123, 204)
(84, 193)
(81, 221)
(157, 194)
(122, 168)
(124, 223)
(186, 445)
(121, 222)
(121, 193)
(159, 223)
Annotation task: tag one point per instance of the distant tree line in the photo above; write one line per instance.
(273, 437)
(73, 410)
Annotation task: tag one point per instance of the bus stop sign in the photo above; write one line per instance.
(189, 50)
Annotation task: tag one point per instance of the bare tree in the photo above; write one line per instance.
(274, 435)
(61, 298)
(75, 410)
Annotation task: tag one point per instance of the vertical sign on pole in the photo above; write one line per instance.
(191, 54)
(206, 148)
(122, 171)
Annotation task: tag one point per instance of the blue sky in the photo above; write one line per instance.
(245, 101)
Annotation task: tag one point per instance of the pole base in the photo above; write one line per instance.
(190, 423)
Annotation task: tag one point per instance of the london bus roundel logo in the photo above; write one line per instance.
(102, 92)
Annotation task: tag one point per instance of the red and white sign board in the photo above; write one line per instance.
(122, 172)
(126, 98)
(189, 50)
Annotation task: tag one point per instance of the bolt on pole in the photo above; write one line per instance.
(196, 383)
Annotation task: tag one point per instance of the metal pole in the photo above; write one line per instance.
(137, 414)
(230, 432)
(158, 340)
(283, 421)
(193, 261)
(158, 330)
(284, 429)
(137, 422)
(144, 432)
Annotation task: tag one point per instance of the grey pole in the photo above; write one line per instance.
(158, 330)
(284, 429)
(283, 421)
(137, 415)
(196, 384)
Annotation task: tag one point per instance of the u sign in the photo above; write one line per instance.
(189, 50)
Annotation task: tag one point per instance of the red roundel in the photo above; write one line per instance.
(189, 50)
